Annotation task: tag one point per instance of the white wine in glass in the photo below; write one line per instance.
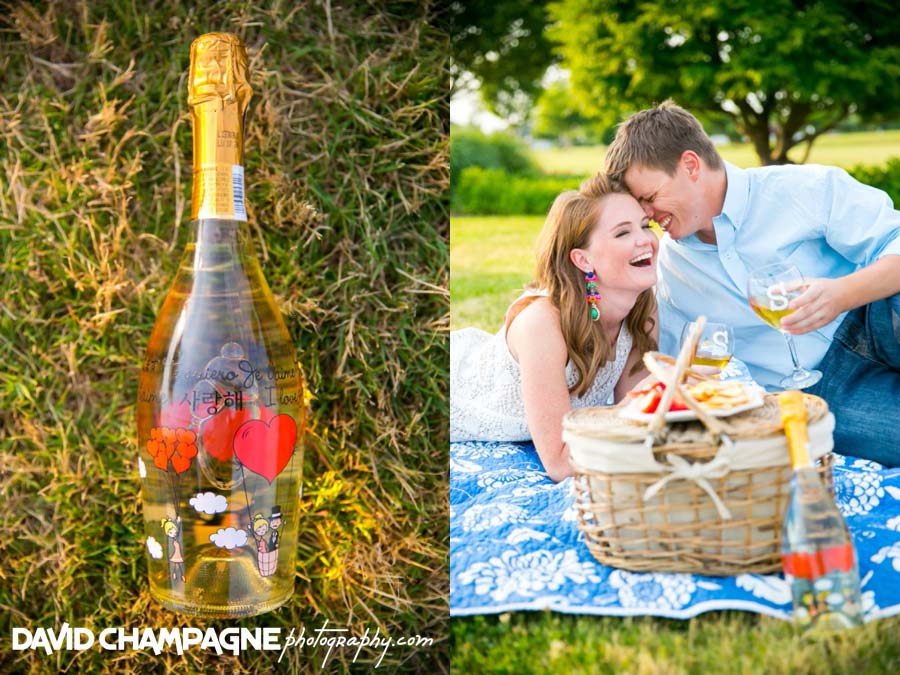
(771, 289)
(715, 346)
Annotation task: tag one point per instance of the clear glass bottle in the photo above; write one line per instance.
(220, 411)
(819, 559)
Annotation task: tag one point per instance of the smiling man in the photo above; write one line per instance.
(722, 222)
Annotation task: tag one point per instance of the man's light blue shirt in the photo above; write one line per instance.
(817, 217)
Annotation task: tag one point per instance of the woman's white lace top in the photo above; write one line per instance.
(486, 401)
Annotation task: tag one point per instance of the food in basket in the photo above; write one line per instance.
(718, 394)
(648, 399)
(711, 394)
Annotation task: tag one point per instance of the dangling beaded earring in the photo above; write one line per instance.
(591, 294)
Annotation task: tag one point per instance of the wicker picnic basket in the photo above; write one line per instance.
(705, 496)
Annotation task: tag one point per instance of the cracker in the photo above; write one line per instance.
(719, 395)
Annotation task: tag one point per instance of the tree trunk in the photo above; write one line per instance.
(791, 124)
(783, 146)
(759, 137)
(756, 126)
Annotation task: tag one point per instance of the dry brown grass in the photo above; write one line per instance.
(347, 170)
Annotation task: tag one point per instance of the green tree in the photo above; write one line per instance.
(557, 116)
(785, 71)
(503, 44)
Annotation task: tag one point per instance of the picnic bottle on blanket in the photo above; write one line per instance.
(220, 411)
(819, 559)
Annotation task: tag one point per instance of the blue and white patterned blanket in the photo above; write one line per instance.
(515, 545)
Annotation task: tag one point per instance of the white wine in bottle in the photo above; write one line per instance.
(818, 555)
(220, 411)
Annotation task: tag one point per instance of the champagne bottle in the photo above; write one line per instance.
(220, 411)
(819, 559)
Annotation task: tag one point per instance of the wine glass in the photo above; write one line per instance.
(715, 346)
(770, 290)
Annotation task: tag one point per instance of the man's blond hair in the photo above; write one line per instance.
(656, 138)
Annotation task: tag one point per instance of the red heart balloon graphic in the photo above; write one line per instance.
(266, 448)
(206, 400)
(185, 436)
(188, 451)
(180, 464)
(176, 415)
(218, 432)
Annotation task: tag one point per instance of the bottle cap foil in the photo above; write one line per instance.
(218, 72)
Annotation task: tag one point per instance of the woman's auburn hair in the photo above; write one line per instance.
(569, 224)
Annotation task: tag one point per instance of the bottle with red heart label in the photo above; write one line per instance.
(221, 398)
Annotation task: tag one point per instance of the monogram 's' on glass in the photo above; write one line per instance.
(770, 290)
(220, 411)
(715, 346)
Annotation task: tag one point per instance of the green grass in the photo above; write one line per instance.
(493, 258)
(872, 148)
(724, 643)
(347, 171)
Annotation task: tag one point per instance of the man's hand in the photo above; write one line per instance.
(820, 304)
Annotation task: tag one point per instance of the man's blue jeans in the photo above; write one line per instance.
(861, 382)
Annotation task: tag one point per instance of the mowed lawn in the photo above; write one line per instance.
(847, 150)
(715, 643)
(492, 259)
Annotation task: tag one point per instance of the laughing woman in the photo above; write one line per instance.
(576, 336)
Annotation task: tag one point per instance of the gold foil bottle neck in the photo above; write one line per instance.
(219, 71)
(794, 419)
(218, 94)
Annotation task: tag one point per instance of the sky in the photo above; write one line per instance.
(466, 108)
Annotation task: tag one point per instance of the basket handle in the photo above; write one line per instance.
(673, 382)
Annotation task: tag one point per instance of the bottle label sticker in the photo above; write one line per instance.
(237, 191)
(219, 193)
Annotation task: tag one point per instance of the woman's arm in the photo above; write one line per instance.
(535, 340)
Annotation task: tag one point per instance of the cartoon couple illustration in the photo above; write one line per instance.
(267, 546)
(267, 541)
